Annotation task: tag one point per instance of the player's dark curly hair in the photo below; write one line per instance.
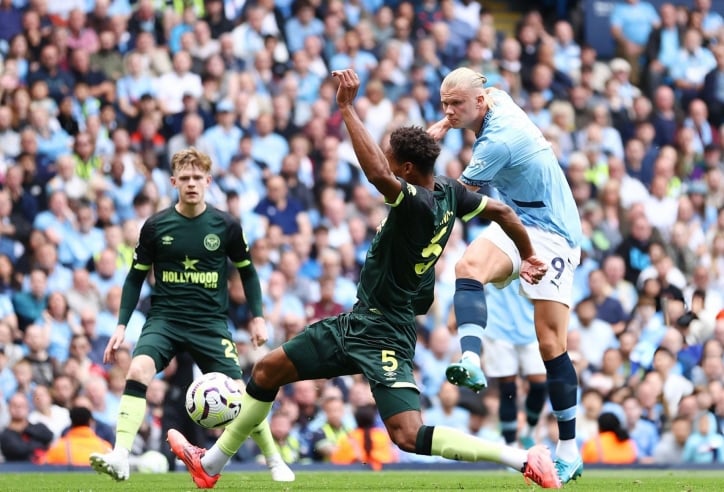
(413, 144)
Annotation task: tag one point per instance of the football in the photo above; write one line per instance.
(213, 400)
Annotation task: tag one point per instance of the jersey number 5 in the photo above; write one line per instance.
(433, 250)
(389, 361)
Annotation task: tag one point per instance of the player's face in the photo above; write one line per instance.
(461, 107)
(191, 183)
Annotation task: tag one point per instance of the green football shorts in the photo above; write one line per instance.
(361, 343)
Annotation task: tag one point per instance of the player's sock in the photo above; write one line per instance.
(456, 445)
(256, 403)
(508, 411)
(471, 315)
(131, 412)
(263, 438)
(562, 388)
(534, 402)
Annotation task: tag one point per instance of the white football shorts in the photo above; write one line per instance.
(562, 260)
(501, 358)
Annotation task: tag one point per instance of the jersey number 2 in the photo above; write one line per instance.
(229, 349)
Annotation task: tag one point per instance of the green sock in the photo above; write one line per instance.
(252, 417)
(131, 412)
(263, 438)
(456, 445)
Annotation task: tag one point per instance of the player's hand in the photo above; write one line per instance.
(532, 270)
(348, 86)
(109, 354)
(257, 331)
(438, 130)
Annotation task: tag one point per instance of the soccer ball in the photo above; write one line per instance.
(152, 462)
(213, 400)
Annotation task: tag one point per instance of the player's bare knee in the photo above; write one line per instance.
(404, 437)
(469, 267)
(550, 348)
(142, 369)
(261, 373)
(484, 263)
(403, 428)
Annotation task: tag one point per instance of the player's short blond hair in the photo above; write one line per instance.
(464, 78)
(190, 157)
(468, 80)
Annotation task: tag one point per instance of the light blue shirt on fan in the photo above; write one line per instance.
(635, 20)
(510, 315)
(511, 154)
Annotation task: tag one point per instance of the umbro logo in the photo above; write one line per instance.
(166, 240)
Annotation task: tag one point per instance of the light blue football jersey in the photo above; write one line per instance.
(510, 315)
(512, 155)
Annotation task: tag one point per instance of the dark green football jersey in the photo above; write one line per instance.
(190, 262)
(395, 279)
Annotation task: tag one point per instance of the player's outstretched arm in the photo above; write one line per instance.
(371, 158)
(532, 269)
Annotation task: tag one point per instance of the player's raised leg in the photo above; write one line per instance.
(481, 263)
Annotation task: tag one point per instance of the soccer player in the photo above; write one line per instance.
(188, 246)
(377, 338)
(511, 349)
(511, 154)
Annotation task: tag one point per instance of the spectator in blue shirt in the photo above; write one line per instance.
(60, 81)
(10, 22)
(661, 48)
(30, 304)
(642, 431)
(268, 146)
(223, 137)
(280, 209)
(52, 140)
(706, 443)
(693, 61)
(107, 274)
(711, 21)
(59, 324)
(302, 25)
(352, 56)
(60, 278)
(713, 90)
(133, 85)
(121, 191)
(631, 24)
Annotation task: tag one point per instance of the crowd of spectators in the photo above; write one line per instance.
(95, 97)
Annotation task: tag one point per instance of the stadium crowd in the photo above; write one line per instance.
(95, 96)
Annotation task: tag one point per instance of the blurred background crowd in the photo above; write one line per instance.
(97, 95)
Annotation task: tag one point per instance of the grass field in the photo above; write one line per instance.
(599, 480)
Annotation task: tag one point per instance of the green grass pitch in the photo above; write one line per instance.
(610, 480)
